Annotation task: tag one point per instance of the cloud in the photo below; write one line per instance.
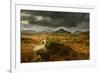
(39, 28)
(51, 20)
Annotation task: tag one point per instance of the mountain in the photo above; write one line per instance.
(62, 31)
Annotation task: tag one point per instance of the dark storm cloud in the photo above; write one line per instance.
(48, 20)
(54, 19)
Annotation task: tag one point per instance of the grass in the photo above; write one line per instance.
(60, 46)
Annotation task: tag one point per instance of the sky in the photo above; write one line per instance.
(48, 21)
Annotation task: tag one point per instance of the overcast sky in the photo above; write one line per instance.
(51, 21)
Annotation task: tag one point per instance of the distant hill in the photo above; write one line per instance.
(62, 31)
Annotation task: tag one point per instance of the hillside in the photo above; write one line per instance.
(60, 46)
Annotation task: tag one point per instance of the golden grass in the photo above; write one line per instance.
(78, 44)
